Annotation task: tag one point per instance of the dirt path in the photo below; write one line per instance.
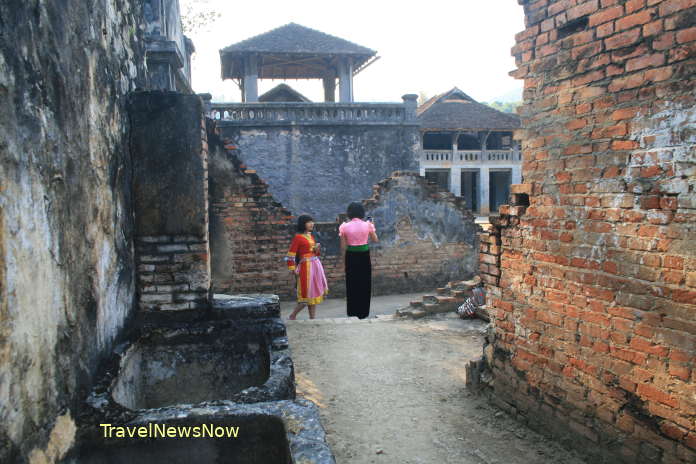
(393, 392)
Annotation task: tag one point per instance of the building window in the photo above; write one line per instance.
(468, 142)
(437, 141)
(441, 177)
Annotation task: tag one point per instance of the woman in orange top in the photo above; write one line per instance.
(303, 260)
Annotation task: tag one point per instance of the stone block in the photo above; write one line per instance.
(156, 298)
(174, 307)
(172, 248)
(521, 189)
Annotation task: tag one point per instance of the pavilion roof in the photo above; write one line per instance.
(283, 93)
(455, 110)
(292, 51)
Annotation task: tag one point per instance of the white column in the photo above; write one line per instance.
(517, 174)
(484, 193)
(456, 181)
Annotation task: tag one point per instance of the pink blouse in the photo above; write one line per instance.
(356, 231)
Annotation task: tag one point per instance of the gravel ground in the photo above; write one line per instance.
(392, 391)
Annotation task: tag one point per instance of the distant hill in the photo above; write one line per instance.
(514, 95)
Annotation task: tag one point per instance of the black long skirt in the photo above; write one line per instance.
(358, 283)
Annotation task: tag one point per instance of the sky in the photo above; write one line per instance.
(428, 46)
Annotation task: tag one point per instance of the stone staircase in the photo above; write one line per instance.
(445, 299)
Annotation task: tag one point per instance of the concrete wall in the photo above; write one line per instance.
(320, 169)
(168, 50)
(593, 310)
(66, 266)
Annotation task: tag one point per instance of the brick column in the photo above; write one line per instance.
(170, 196)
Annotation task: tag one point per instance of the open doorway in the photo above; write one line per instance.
(499, 186)
(470, 186)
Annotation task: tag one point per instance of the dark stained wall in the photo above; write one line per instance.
(67, 271)
(320, 169)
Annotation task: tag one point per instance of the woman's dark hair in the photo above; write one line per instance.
(356, 210)
(302, 223)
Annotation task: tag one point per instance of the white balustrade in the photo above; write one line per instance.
(437, 155)
(309, 112)
(432, 157)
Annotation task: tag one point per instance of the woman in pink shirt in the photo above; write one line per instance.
(355, 252)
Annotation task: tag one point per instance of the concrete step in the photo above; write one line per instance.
(430, 299)
(431, 308)
(443, 291)
(461, 293)
(466, 284)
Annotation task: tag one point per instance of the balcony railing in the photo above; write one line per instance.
(433, 157)
(312, 113)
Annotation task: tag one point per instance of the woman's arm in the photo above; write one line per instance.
(292, 252)
(344, 245)
(373, 233)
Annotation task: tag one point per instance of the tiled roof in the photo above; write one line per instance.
(454, 110)
(283, 92)
(293, 38)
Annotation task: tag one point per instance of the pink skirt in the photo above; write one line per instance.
(318, 287)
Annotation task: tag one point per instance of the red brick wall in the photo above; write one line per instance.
(250, 231)
(595, 310)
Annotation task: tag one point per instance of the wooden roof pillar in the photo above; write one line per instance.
(250, 86)
(329, 88)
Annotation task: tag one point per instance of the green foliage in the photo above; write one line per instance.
(509, 107)
(197, 15)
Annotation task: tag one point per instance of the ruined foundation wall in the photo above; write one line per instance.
(170, 200)
(427, 237)
(320, 169)
(66, 267)
(594, 335)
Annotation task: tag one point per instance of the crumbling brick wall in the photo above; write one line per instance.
(249, 231)
(594, 335)
(427, 237)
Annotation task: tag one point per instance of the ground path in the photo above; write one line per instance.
(392, 391)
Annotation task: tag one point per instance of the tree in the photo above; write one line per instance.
(508, 107)
(198, 15)
(422, 97)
